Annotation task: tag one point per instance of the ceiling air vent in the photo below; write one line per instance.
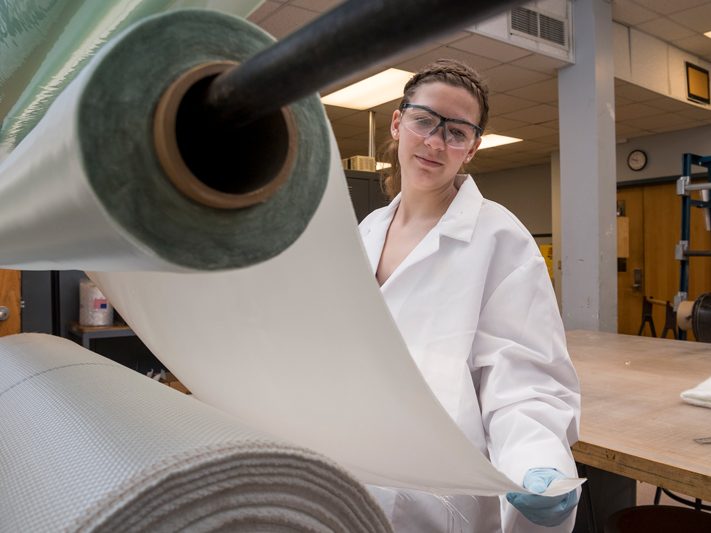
(541, 27)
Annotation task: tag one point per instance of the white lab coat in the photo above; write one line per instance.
(475, 306)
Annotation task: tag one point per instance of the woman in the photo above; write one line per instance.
(472, 298)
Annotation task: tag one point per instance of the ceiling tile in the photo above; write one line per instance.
(541, 63)
(668, 104)
(286, 20)
(553, 140)
(544, 91)
(529, 132)
(452, 37)
(628, 131)
(359, 118)
(263, 11)
(535, 115)
(635, 93)
(698, 44)
(649, 123)
(501, 103)
(666, 7)
(336, 113)
(665, 29)
(621, 100)
(476, 62)
(696, 113)
(676, 127)
(316, 5)
(629, 13)
(505, 78)
(491, 48)
(630, 111)
(499, 124)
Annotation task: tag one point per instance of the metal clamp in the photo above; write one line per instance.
(681, 185)
(680, 250)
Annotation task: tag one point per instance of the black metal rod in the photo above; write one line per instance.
(355, 35)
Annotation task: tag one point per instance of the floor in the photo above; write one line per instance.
(645, 495)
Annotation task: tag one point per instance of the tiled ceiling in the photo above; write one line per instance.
(523, 84)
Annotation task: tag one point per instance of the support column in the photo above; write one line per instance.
(586, 110)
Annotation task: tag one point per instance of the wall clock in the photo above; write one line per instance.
(637, 160)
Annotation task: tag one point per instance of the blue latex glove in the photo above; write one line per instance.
(543, 510)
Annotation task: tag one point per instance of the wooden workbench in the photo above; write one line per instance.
(633, 422)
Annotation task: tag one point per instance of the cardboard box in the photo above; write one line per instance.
(360, 162)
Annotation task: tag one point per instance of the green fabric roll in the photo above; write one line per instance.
(155, 227)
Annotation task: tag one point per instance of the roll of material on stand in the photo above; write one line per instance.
(683, 315)
(286, 328)
(701, 317)
(99, 199)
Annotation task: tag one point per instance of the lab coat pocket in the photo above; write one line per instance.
(443, 364)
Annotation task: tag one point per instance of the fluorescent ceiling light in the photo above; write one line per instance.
(370, 92)
(708, 34)
(491, 140)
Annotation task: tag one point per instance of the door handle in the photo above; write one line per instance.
(4, 313)
(637, 278)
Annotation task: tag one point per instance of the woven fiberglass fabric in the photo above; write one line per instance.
(89, 445)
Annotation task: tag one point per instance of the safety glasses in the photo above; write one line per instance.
(423, 122)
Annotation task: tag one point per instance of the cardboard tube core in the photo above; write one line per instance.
(224, 168)
(683, 315)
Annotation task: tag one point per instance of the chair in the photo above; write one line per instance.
(658, 519)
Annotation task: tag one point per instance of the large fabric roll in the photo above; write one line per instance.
(89, 445)
(98, 197)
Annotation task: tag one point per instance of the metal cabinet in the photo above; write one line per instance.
(366, 192)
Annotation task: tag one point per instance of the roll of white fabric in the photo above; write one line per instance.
(89, 445)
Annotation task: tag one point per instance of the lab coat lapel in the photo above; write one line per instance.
(426, 247)
(377, 231)
(458, 223)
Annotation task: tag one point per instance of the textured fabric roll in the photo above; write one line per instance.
(89, 445)
(98, 197)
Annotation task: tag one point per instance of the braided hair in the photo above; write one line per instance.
(451, 72)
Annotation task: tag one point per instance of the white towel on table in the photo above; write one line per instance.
(699, 395)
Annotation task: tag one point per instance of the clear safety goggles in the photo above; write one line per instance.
(423, 122)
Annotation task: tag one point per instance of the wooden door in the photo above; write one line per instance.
(10, 299)
(630, 275)
(662, 229)
(654, 213)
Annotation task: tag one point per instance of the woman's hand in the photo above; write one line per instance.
(543, 510)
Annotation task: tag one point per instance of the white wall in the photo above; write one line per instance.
(525, 191)
(664, 152)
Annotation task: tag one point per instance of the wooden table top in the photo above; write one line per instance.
(633, 421)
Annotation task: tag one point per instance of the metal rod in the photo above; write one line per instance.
(371, 133)
(699, 187)
(355, 35)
